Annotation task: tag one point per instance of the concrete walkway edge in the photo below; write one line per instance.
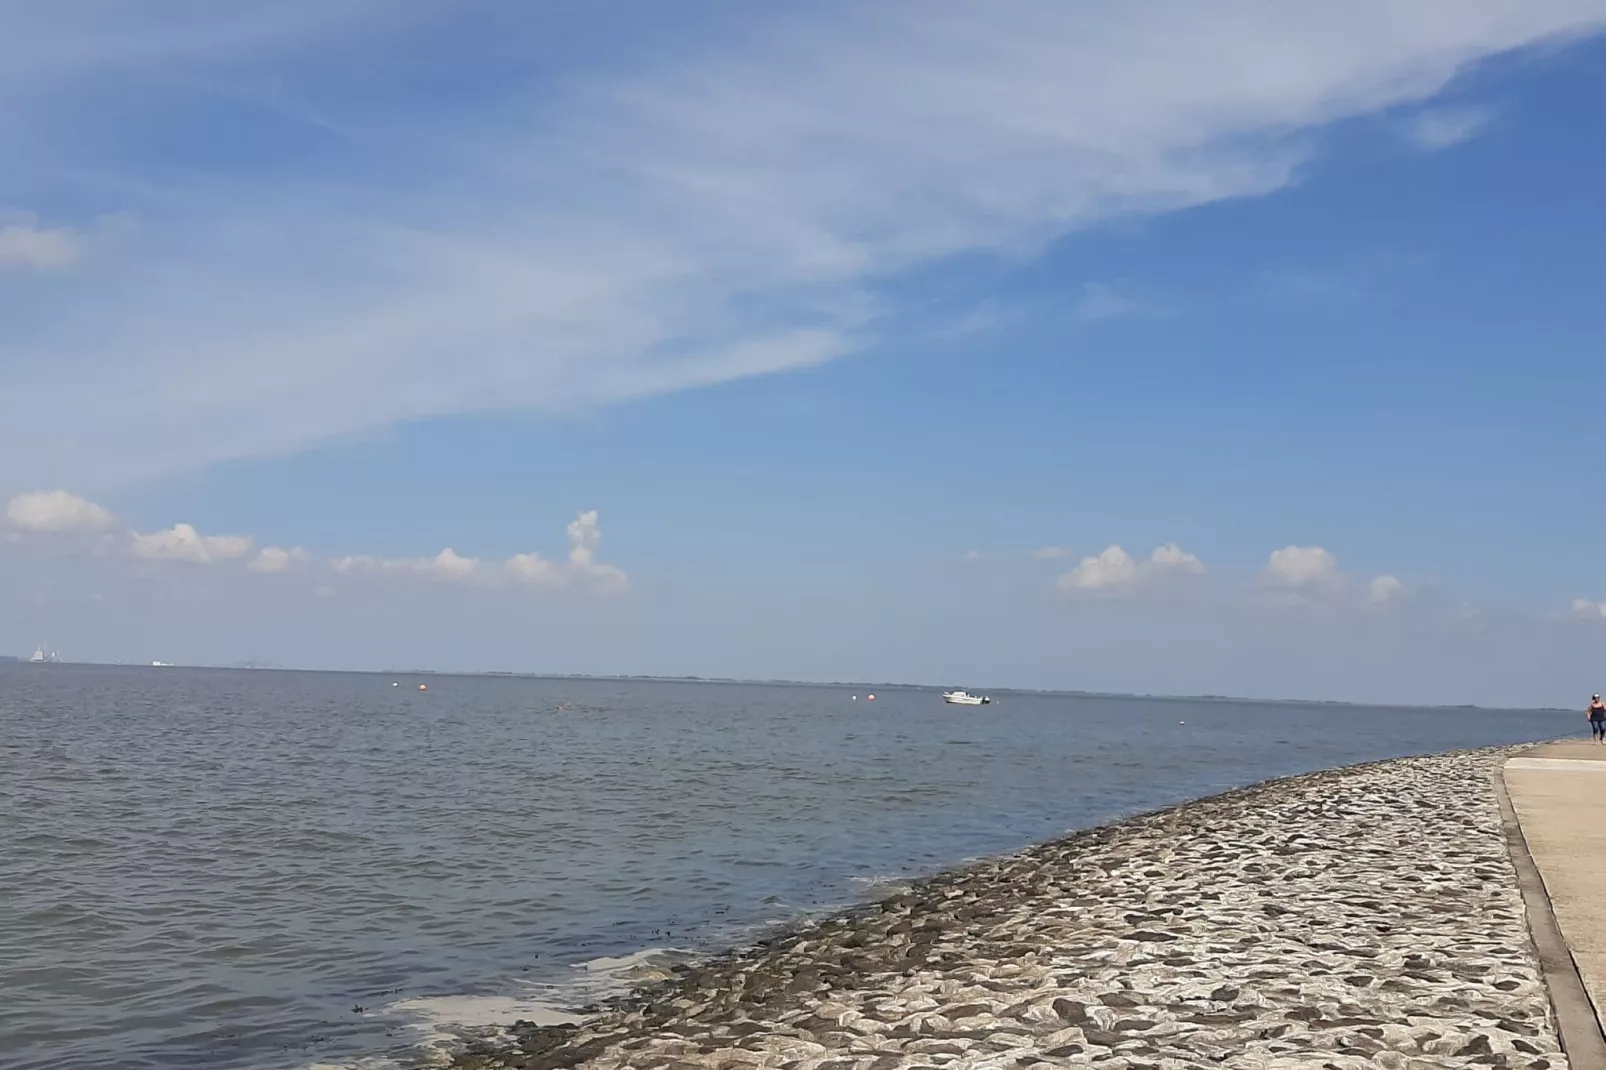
(1576, 1020)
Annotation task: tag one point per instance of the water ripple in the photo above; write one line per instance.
(254, 870)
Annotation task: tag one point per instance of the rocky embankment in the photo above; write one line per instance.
(1359, 918)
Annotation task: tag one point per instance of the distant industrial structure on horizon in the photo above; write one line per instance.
(43, 655)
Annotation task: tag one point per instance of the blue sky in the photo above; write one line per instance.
(850, 340)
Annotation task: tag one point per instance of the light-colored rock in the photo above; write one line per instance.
(1361, 919)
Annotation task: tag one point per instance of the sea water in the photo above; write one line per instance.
(260, 870)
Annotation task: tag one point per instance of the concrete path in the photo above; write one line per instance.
(1558, 792)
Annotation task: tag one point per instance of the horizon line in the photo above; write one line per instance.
(247, 666)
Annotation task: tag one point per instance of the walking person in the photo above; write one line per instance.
(1597, 720)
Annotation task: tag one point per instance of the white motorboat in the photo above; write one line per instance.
(43, 656)
(961, 697)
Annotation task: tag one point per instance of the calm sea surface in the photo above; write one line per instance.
(218, 869)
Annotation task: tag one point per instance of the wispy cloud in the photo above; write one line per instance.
(1440, 128)
(26, 244)
(1307, 286)
(1364, 276)
(1100, 301)
(733, 203)
(985, 316)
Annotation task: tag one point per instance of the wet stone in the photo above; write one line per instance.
(1357, 919)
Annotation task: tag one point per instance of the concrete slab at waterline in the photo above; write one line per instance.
(1558, 791)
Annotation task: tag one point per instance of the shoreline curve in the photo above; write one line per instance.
(1359, 917)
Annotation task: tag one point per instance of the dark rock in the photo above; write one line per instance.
(1217, 1020)
(1070, 1010)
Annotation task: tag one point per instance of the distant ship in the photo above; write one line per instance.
(962, 697)
(41, 656)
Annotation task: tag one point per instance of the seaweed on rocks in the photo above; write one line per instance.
(1366, 917)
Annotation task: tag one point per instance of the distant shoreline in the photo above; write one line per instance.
(504, 674)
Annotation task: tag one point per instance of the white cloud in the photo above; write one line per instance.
(584, 537)
(582, 569)
(1052, 553)
(448, 566)
(732, 202)
(25, 244)
(1297, 572)
(356, 564)
(277, 559)
(1172, 556)
(1114, 569)
(1584, 607)
(1384, 589)
(1302, 567)
(971, 555)
(182, 542)
(56, 511)
(533, 569)
(1301, 571)
(1440, 128)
